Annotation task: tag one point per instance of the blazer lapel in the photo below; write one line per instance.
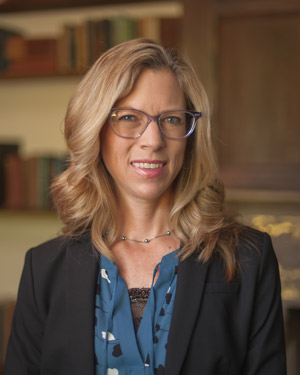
(190, 283)
(80, 295)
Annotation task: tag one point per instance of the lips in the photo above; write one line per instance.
(149, 168)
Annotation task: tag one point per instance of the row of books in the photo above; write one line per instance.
(25, 183)
(78, 46)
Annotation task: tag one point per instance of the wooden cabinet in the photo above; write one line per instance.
(248, 57)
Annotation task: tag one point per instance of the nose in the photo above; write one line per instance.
(152, 136)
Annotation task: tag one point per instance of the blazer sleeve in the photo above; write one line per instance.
(266, 352)
(24, 347)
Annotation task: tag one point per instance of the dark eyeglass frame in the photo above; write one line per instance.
(196, 116)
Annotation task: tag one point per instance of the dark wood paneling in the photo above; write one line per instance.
(259, 91)
(255, 7)
(198, 41)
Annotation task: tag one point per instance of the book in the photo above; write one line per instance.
(82, 47)
(63, 51)
(31, 56)
(15, 48)
(5, 149)
(71, 50)
(170, 31)
(14, 182)
(30, 183)
(39, 173)
(123, 29)
(100, 38)
(149, 27)
(5, 35)
(37, 182)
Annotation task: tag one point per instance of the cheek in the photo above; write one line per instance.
(114, 153)
(110, 157)
(180, 153)
(107, 148)
(108, 145)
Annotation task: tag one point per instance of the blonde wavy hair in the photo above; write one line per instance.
(83, 194)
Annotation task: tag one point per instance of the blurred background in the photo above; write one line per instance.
(247, 54)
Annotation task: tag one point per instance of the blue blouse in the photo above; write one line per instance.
(118, 349)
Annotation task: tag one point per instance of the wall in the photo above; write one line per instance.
(20, 231)
(32, 112)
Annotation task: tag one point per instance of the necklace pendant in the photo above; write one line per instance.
(146, 240)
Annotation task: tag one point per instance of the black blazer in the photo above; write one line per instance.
(217, 327)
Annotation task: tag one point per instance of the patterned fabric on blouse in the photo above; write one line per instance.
(119, 350)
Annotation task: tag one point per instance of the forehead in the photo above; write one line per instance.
(157, 90)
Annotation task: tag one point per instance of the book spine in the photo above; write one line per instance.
(5, 150)
(5, 35)
(14, 182)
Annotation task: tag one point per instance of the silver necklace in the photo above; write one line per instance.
(146, 240)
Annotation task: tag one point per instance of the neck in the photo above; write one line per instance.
(143, 219)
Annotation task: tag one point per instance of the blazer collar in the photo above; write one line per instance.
(82, 266)
(190, 283)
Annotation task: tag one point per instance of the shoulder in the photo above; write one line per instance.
(257, 261)
(60, 245)
(57, 251)
(254, 256)
(48, 266)
(254, 246)
(253, 236)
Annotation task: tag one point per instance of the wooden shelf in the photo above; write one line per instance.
(4, 76)
(35, 5)
(263, 196)
(26, 212)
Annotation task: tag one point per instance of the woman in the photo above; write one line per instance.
(151, 276)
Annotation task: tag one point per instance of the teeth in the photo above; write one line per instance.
(148, 165)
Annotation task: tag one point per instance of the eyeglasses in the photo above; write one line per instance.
(132, 123)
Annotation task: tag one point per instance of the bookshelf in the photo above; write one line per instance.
(67, 41)
(26, 96)
(33, 108)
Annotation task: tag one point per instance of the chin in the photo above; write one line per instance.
(149, 194)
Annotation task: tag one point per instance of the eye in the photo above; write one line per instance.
(128, 118)
(172, 120)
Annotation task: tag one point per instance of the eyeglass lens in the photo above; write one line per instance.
(131, 123)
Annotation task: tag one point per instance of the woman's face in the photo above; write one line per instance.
(144, 168)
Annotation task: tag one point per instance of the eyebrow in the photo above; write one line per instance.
(141, 110)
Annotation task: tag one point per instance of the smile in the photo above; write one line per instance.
(148, 165)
